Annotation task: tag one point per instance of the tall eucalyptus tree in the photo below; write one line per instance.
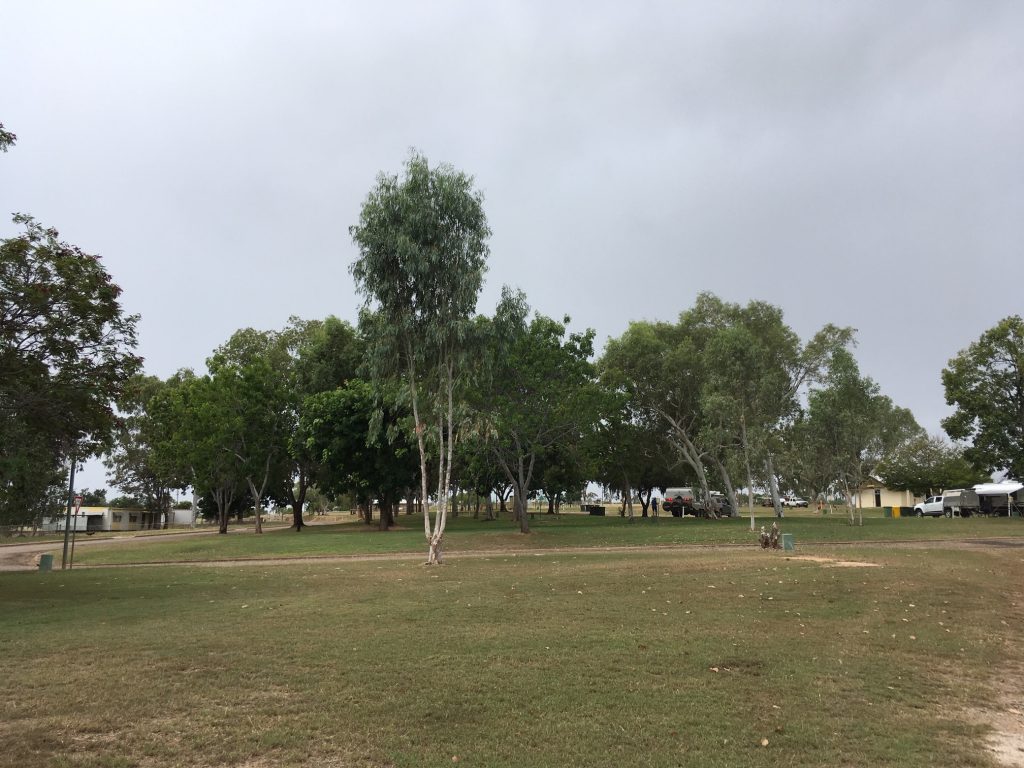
(422, 242)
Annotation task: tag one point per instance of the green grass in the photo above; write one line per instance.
(466, 534)
(598, 659)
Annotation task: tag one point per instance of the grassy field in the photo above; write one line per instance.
(657, 658)
(549, 531)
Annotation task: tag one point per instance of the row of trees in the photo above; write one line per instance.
(425, 397)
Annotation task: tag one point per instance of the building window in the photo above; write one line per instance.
(878, 497)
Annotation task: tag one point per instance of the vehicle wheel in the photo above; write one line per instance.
(949, 512)
(919, 512)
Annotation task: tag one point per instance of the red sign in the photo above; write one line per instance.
(78, 504)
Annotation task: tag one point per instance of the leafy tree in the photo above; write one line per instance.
(480, 472)
(422, 243)
(541, 392)
(33, 479)
(196, 425)
(630, 450)
(90, 498)
(337, 426)
(756, 367)
(985, 384)
(854, 426)
(724, 381)
(927, 465)
(251, 371)
(127, 502)
(65, 358)
(7, 138)
(563, 469)
(131, 463)
(322, 356)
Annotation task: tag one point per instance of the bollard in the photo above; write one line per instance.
(46, 562)
(788, 543)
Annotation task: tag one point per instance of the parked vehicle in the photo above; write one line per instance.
(793, 501)
(930, 507)
(683, 501)
(960, 502)
(678, 501)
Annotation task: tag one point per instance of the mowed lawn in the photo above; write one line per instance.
(465, 534)
(699, 657)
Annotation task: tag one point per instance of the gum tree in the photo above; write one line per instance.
(985, 384)
(854, 426)
(540, 392)
(422, 242)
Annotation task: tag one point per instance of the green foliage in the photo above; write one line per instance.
(65, 358)
(722, 383)
(540, 394)
(131, 463)
(196, 425)
(127, 502)
(422, 254)
(852, 427)
(985, 384)
(928, 465)
(90, 498)
(322, 356)
(336, 427)
(7, 139)
(251, 371)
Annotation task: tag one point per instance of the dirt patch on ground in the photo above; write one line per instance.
(831, 562)
(1005, 717)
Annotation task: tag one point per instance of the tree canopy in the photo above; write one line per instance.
(985, 385)
(539, 394)
(66, 355)
(422, 243)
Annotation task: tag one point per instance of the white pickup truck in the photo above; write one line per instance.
(932, 506)
(960, 502)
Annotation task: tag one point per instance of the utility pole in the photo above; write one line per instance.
(67, 516)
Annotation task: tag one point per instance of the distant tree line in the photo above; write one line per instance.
(427, 401)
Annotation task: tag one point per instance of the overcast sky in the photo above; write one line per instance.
(853, 162)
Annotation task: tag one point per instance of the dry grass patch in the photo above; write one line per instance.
(667, 658)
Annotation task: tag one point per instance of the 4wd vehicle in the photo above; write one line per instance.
(932, 506)
(793, 501)
(678, 501)
(683, 501)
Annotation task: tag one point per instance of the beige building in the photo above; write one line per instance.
(873, 493)
(92, 519)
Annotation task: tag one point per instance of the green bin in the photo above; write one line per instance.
(46, 562)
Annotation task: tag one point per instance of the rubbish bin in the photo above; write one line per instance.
(887, 512)
(46, 562)
(788, 542)
(896, 511)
